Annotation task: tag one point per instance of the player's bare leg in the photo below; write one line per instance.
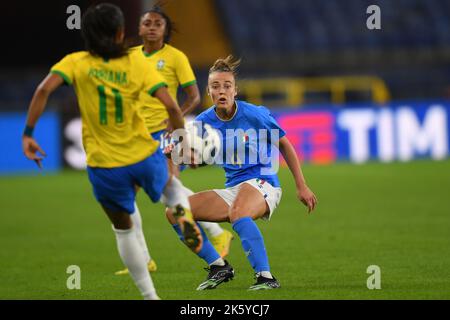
(249, 202)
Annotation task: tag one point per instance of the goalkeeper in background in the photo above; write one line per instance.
(155, 29)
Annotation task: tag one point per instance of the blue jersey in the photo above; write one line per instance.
(247, 138)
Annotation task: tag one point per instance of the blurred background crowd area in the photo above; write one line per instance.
(294, 53)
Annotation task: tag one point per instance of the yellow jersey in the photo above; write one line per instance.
(173, 65)
(108, 91)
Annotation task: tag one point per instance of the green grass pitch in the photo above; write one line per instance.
(395, 216)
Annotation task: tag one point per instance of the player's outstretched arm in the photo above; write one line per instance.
(29, 146)
(304, 194)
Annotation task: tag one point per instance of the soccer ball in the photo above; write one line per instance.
(205, 141)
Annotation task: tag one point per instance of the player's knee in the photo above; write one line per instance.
(120, 220)
(238, 211)
(235, 213)
(122, 224)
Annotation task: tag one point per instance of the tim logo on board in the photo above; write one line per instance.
(403, 133)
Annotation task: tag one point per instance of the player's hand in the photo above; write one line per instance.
(307, 197)
(30, 148)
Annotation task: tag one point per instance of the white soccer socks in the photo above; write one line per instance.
(133, 258)
(137, 223)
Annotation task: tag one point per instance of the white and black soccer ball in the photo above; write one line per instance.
(205, 141)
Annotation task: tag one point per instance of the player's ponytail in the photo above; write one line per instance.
(99, 27)
(229, 64)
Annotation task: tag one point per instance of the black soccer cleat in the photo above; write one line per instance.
(263, 283)
(217, 275)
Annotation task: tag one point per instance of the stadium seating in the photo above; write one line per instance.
(316, 25)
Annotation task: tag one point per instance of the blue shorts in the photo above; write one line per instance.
(115, 188)
(164, 142)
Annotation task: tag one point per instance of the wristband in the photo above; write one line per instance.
(28, 131)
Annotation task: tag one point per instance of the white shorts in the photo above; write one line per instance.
(271, 194)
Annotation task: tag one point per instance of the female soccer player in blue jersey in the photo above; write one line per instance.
(252, 190)
(108, 81)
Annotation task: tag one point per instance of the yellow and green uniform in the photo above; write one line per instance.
(174, 67)
(108, 92)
